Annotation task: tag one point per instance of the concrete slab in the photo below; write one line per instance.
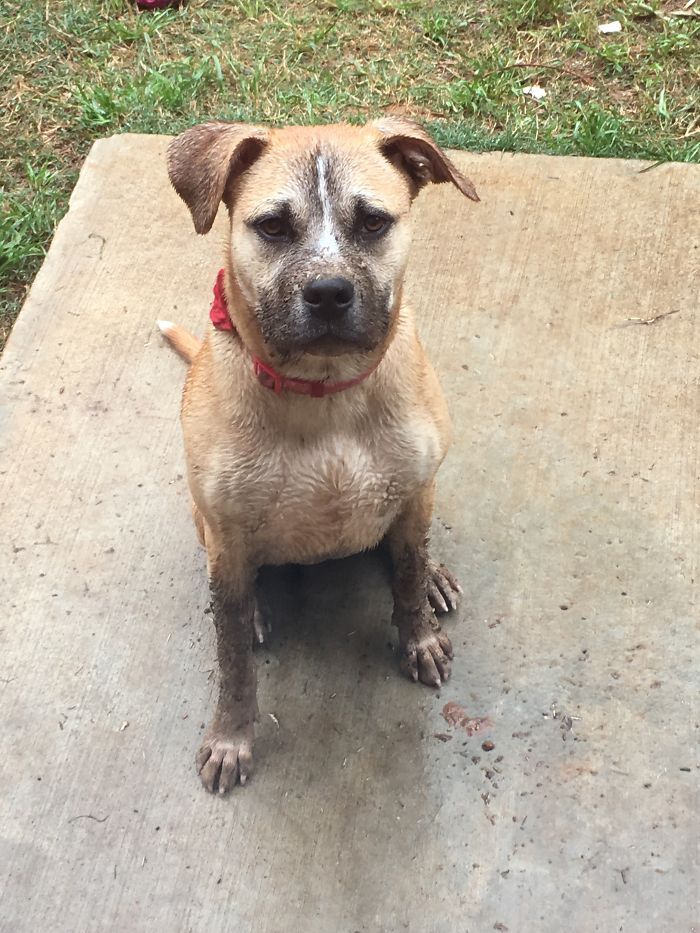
(569, 507)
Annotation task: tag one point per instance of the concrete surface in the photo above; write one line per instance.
(569, 507)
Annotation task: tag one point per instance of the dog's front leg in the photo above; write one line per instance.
(226, 754)
(425, 651)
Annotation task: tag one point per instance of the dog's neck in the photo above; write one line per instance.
(302, 417)
(331, 369)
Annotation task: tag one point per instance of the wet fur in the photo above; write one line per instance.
(288, 478)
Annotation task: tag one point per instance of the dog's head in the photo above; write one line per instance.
(319, 224)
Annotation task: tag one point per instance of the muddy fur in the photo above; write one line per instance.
(286, 478)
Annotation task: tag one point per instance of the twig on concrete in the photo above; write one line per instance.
(647, 320)
(88, 816)
(648, 168)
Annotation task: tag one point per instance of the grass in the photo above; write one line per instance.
(76, 70)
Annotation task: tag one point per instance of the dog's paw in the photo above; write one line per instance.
(443, 588)
(427, 658)
(224, 759)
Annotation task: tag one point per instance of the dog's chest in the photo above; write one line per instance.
(334, 496)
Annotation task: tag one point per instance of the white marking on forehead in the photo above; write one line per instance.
(326, 242)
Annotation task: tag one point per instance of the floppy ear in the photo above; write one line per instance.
(204, 160)
(408, 147)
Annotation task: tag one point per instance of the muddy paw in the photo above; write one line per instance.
(427, 658)
(225, 759)
(443, 588)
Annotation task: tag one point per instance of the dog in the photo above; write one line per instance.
(313, 422)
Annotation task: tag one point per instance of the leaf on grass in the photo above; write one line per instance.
(535, 91)
(614, 26)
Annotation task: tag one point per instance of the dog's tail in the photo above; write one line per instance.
(180, 339)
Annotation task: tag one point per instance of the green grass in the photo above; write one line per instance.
(76, 70)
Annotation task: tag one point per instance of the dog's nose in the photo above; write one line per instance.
(328, 298)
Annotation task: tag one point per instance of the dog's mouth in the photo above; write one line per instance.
(334, 344)
(338, 338)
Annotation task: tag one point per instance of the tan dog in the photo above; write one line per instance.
(313, 428)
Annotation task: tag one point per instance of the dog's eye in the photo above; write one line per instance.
(273, 228)
(374, 223)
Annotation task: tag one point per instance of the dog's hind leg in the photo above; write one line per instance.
(226, 754)
(425, 651)
(199, 524)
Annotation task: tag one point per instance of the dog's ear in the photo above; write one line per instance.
(408, 147)
(204, 160)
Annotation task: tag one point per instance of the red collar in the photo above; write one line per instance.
(266, 375)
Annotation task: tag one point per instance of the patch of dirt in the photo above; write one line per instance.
(456, 715)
